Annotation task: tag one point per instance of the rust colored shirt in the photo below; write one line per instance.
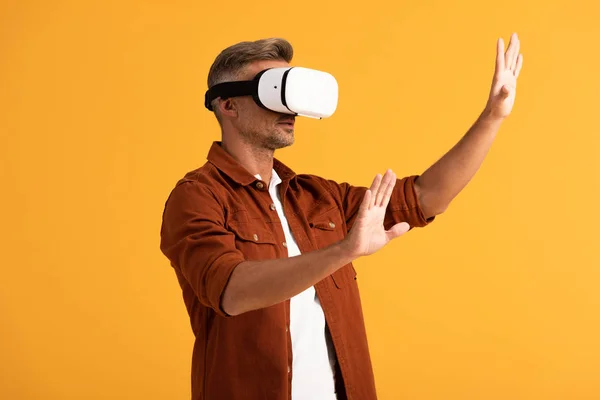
(221, 215)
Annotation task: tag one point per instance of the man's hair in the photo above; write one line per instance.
(233, 59)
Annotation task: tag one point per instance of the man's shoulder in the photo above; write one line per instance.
(194, 193)
(318, 189)
(195, 185)
(203, 175)
(313, 179)
(318, 182)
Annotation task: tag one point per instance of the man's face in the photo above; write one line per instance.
(260, 127)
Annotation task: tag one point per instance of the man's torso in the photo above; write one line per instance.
(251, 356)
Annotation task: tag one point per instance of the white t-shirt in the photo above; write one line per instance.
(313, 352)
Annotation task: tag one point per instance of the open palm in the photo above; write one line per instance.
(368, 233)
(504, 85)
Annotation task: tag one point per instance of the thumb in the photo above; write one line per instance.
(505, 91)
(397, 230)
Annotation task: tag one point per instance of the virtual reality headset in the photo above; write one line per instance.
(288, 90)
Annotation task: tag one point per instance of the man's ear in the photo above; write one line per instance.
(228, 107)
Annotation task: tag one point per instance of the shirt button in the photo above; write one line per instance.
(331, 224)
(260, 185)
(272, 207)
(255, 237)
(289, 369)
(284, 244)
(287, 329)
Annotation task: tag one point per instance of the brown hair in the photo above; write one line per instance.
(234, 58)
(231, 60)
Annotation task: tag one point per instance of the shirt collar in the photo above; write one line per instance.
(225, 163)
(275, 179)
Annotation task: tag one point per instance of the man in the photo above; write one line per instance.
(264, 255)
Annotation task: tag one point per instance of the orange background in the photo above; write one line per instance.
(101, 112)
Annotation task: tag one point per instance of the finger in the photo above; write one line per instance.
(397, 230)
(515, 52)
(510, 52)
(387, 179)
(374, 188)
(500, 55)
(519, 65)
(388, 191)
(364, 205)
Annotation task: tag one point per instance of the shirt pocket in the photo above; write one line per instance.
(254, 239)
(329, 228)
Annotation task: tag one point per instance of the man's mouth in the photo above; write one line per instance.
(289, 122)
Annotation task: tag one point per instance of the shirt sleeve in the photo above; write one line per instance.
(195, 240)
(404, 204)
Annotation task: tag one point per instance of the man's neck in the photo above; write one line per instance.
(254, 160)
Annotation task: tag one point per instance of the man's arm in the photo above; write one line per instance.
(259, 284)
(442, 182)
(194, 239)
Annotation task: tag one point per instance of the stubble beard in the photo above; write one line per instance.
(277, 138)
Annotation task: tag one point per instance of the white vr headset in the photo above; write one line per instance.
(288, 90)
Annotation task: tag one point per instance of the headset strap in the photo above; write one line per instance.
(226, 90)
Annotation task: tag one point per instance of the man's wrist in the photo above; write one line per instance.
(344, 251)
(487, 117)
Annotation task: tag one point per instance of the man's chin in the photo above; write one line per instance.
(281, 141)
